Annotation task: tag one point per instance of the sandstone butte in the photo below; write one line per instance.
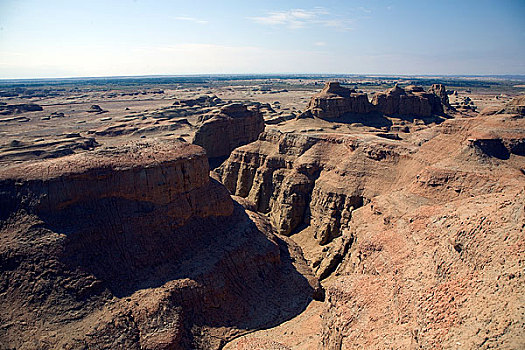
(418, 242)
(335, 101)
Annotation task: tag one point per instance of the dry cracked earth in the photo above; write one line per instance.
(262, 213)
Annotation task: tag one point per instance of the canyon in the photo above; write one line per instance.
(241, 219)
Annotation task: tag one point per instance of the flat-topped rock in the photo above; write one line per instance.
(222, 130)
(335, 100)
(6, 109)
(172, 174)
(136, 247)
(412, 101)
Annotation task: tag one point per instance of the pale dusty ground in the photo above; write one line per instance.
(303, 332)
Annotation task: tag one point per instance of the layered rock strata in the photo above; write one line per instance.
(430, 242)
(6, 109)
(437, 262)
(412, 101)
(134, 248)
(40, 149)
(310, 180)
(516, 106)
(335, 100)
(441, 91)
(224, 129)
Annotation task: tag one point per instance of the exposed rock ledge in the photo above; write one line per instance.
(137, 248)
(311, 180)
(335, 101)
(231, 126)
(432, 259)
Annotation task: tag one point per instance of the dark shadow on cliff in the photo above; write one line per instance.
(435, 118)
(372, 119)
(379, 120)
(216, 162)
(240, 277)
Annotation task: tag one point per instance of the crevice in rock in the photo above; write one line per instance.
(492, 148)
(334, 258)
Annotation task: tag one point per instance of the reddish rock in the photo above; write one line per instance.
(440, 91)
(516, 106)
(420, 241)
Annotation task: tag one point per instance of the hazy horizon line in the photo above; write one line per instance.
(521, 76)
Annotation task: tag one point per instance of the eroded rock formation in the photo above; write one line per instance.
(17, 150)
(441, 91)
(6, 109)
(334, 101)
(310, 180)
(422, 270)
(201, 101)
(134, 248)
(228, 127)
(429, 246)
(515, 107)
(412, 101)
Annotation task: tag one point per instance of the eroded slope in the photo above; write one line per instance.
(419, 241)
(137, 248)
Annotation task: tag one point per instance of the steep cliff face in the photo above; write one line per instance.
(224, 129)
(171, 179)
(137, 248)
(419, 241)
(441, 91)
(334, 101)
(413, 101)
(311, 180)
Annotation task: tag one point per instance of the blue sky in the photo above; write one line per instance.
(51, 38)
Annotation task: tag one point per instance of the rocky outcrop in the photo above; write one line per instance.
(406, 232)
(302, 180)
(432, 259)
(440, 91)
(201, 101)
(6, 109)
(127, 173)
(95, 109)
(334, 101)
(516, 106)
(412, 101)
(421, 270)
(137, 247)
(17, 150)
(222, 130)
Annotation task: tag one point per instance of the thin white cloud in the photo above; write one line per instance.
(364, 9)
(320, 43)
(301, 18)
(190, 19)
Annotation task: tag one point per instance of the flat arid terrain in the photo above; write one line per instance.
(263, 212)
